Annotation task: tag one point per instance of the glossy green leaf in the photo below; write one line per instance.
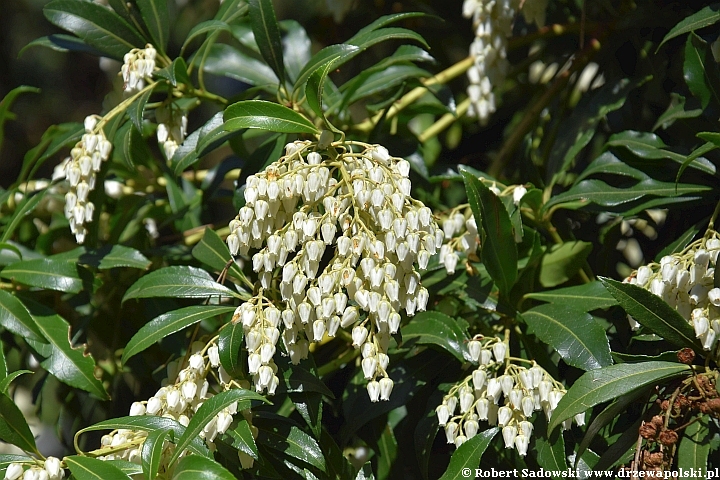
(7, 380)
(296, 48)
(574, 334)
(652, 312)
(328, 55)
(297, 379)
(61, 43)
(701, 71)
(230, 344)
(598, 386)
(13, 427)
(151, 452)
(230, 62)
(7, 459)
(677, 110)
(267, 35)
(202, 28)
(212, 251)
(168, 323)
(293, 442)
(45, 273)
(266, 116)
(310, 407)
(96, 25)
(551, 453)
(607, 163)
(207, 411)
(468, 455)
(387, 453)
(70, 365)
(435, 328)
(187, 153)
(176, 73)
(365, 473)
(88, 468)
(3, 365)
(599, 192)
(177, 281)
(213, 135)
(121, 256)
(709, 15)
(241, 438)
(651, 147)
(499, 251)
(561, 262)
(149, 423)
(15, 318)
(155, 15)
(314, 91)
(694, 155)
(382, 22)
(586, 297)
(194, 467)
(25, 208)
(387, 78)
(694, 448)
(128, 468)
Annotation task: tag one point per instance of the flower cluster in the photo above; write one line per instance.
(138, 64)
(343, 235)
(81, 167)
(171, 129)
(685, 281)
(460, 229)
(507, 400)
(493, 22)
(50, 470)
(179, 398)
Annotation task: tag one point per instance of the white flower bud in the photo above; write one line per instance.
(521, 443)
(509, 433)
(373, 389)
(137, 409)
(14, 471)
(499, 350)
(451, 431)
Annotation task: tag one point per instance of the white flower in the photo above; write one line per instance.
(13, 471)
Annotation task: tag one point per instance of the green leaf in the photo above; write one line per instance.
(96, 25)
(296, 379)
(151, 452)
(87, 468)
(69, 365)
(598, 386)
(586, 298)
(137, 108)
(15, 318)
(499, 252)
(179, 282)
(267, 35)
(291, 441)
(3, 366)
(212, 251)
(24, 209)
(435, 328)
(267, 116)
(296, 47)
(574, 334)
(365, 473)
(599, 192)
(121, 256)
(652, 312)
(468, 455)
(202, 28)
(176, 73)
(230, 62)
(61, 43)
(187, 153)
(230, 344)
(128, 468)
(45, 273)
(387, 78)
(677, 110)
(168, 323)
(6, 381)
(551, 453)
(561, 262)
(383, 21)
(241, 438)
(694, 448)
(149, 423)
(13, 427)
(328, 55)
(694, 155)
(607, 163)
(207, 411)
(682, 241)
(310, 406)
(155, 15)
(194, 467)
(709, 15)
(6, 460)
(314, 92)
(701, 71)
(7, 102)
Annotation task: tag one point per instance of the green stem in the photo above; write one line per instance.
(444, 122)
(338, 362)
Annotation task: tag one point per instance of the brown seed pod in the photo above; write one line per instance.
(686, 356)
(648, 431)
(654, 459)
(668, 437)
